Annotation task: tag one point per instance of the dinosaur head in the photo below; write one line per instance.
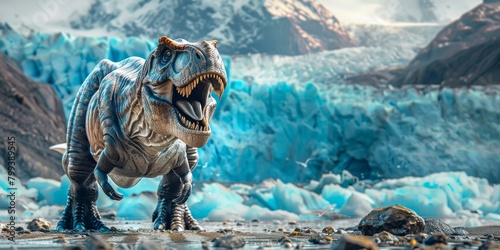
(176, 85)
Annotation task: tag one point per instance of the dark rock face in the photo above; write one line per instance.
(464, 53)
(397, 220)
(282, 27)
(32, 113)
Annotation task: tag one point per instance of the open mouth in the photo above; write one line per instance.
(191, 100)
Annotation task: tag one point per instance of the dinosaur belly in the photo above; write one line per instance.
(93, 128)
(142, 164)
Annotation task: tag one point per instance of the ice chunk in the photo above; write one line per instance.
(138, 207)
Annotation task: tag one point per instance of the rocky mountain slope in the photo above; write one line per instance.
(283, 27)
(464, 53)
(32, 113)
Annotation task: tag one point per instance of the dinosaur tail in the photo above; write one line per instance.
(61, 148)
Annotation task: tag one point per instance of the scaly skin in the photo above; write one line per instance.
(138, 118)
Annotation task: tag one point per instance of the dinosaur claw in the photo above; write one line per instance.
(197, 228)
(102, 180)
(187, 179)
(186, 192)
(159, 226)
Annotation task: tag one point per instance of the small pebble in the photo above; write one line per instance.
(299, 245)
(255, 221)
(230, 241)
(328, 230)
(60, 240)
(113, 229)
(39, 224)
(413, 243)
(436, 238)
(204, 245)
(292, 223)
(284, 240)
(288, 245)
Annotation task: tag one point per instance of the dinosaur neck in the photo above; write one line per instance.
(139, 127)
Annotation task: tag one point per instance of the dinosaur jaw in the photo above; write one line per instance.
(193, 101)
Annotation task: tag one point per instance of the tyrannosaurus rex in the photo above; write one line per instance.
(142, 118)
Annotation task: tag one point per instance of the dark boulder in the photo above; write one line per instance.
(437, 226)
(397, 220)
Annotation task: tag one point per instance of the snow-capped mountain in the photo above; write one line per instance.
(398, 11)
(436, 11)
(287, 27)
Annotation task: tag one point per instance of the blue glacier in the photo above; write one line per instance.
(439, 195)
(296, 132)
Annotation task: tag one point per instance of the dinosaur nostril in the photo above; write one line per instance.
(198, 56)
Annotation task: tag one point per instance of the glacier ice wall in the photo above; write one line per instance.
(295, 130)
(440, 195)
(282, 131)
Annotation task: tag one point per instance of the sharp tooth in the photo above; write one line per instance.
(192, 125)
(218, 92)
(196, 127)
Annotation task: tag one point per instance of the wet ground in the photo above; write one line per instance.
(268, 235)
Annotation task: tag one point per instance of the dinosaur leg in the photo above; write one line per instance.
(170, 214)
(81, 210)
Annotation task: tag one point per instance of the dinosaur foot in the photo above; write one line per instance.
(172, 216)
(80, 215)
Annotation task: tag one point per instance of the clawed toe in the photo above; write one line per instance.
(80, 216)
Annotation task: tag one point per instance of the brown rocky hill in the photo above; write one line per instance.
(464, 53)
(32, 113)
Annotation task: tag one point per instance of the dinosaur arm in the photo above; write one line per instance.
(114, 153)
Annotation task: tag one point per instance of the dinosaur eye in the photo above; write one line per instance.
(169, 53)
